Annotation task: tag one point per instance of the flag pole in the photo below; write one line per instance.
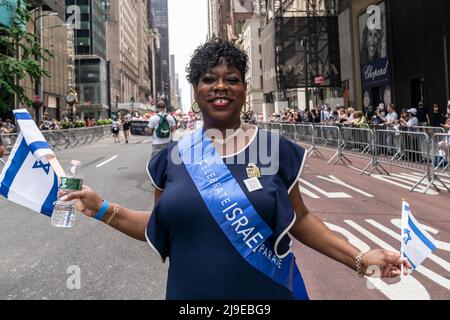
(401, 241)
(56, 166)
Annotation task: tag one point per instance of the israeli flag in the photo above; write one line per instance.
(27, 178)
(417, 244)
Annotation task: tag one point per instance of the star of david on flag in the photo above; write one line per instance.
(40, 165)
(417, 244)
(27, 178)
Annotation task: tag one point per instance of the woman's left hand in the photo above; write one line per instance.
(384, 263)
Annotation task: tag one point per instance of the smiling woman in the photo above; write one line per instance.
(222, 215)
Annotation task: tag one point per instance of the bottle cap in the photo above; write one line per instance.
(76, 162)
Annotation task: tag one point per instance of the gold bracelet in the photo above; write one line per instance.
(115, 211)
(359, 257)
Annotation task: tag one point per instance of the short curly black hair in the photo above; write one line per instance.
(213, 53)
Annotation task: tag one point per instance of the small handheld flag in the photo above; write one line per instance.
(417, 244)
(28, 178)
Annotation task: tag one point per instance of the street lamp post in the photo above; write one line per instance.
(38, 89)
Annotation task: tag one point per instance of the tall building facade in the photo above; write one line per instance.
(213, 19)
(295, 49)
(90, 58)
(160, 20)
(127, 56)
(251, 43)
(143, 45)
(122, 47)
(54, 36)
(401, 60)
(173, 82)
(57, 38)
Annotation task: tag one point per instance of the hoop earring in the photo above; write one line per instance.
(195, 108)
(246, 108)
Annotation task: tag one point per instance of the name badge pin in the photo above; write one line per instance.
(253, 184)
(253, 171)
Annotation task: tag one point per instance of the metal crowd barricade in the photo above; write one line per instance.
(304, 133)
(430, 131)
(403, 149)
(288, 130)
(62, 139)
(358, 142)
(328, 138)
(264, 125)
(421, 149)
(440, 153)
(276, 126)
(9, 140)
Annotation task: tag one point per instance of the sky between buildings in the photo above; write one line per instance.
(188, 28)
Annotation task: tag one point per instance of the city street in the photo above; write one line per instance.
(38, 259)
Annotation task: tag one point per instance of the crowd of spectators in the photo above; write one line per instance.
(409, 118)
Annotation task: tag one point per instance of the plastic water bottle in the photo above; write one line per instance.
(64, 211)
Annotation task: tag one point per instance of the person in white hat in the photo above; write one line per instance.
(412, 119)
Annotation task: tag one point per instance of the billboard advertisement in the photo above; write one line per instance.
(375, 63)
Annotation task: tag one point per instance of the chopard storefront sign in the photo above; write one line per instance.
(376, 87)
(371, 73)
(376, 72)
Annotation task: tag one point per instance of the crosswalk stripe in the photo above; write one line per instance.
(420, 174)
(416, 179)
(331, 195)
(394, 181)
(439, 244)
(337, 181)
(408, 289)
(423, 270)
(309, 193)
(397, 236)
(105, 162)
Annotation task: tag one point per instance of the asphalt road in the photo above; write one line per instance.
(39, 261)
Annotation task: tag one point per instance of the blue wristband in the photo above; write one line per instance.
(103, 210)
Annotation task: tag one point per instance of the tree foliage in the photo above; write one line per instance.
(18, 39)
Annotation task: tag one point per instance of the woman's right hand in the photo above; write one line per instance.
(88, 202)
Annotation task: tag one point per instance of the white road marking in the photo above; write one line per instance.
(308, 193)
(330, 195)
(441, 262)
(408, 289)
(416, 179)
(105, 162)
(421, 175)
(391, 180)
(439, 244)
(333, 179)
(145, 141)
(354, 168)
(440, 280)
(409, 182)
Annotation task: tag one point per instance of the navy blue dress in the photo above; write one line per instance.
(203, 262)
